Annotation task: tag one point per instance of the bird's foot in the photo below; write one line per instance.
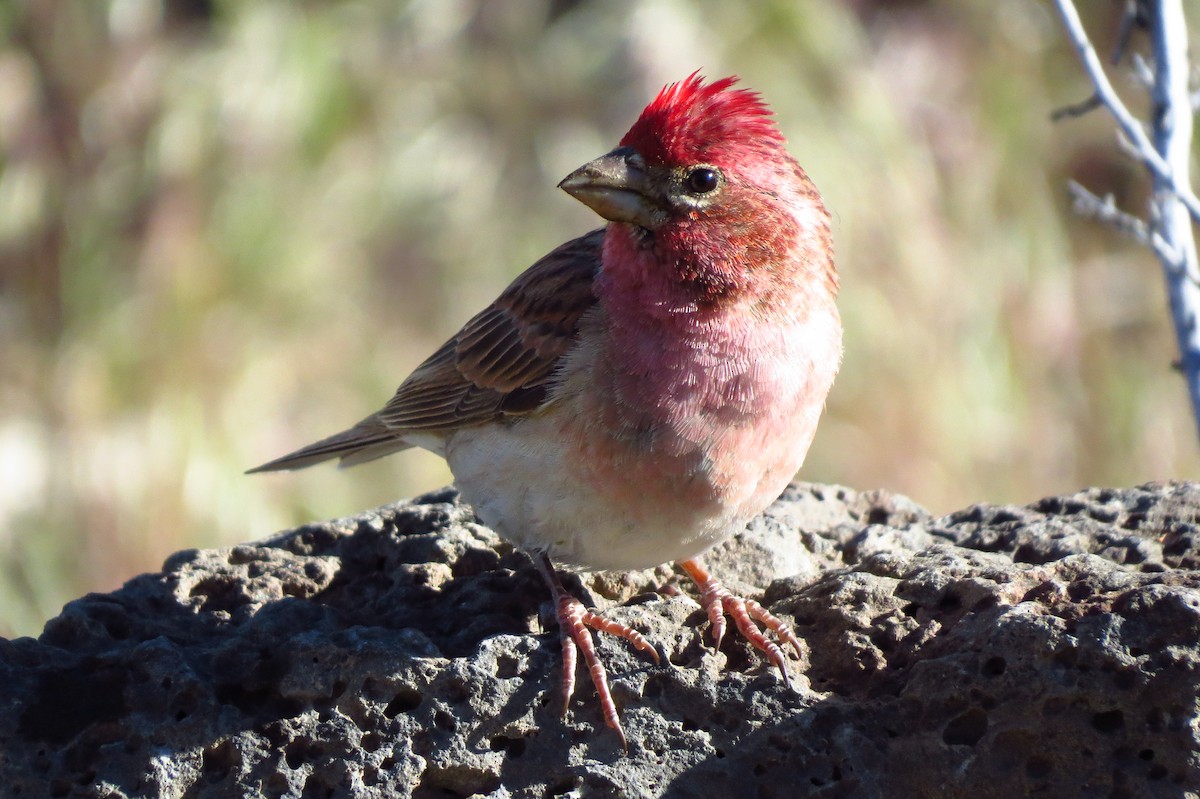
(717, 601)
(575, 623)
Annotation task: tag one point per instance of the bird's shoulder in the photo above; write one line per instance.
(502, 362)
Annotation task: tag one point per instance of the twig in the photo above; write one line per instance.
(1129, 19)
(1142, 72)
(1128, 123)
(1172, 127)
(1173, 206)
(1077, 109)
(1104, 209)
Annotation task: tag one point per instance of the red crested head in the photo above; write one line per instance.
(690, 122)
(708, 205)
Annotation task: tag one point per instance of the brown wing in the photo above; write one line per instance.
(501, 363)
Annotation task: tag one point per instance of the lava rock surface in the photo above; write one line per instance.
(1000, 651)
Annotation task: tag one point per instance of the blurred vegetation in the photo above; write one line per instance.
(229, 227)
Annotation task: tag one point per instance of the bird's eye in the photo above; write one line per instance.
(701, 180)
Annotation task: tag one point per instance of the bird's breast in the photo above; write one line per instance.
(642, 458)
(711, 422)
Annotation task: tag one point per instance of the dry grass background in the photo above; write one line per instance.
(228, 228)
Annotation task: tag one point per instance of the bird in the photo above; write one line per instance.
(643, 391)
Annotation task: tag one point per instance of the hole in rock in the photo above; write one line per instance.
(653, 687)
(219, 759)
(507, 667)
(406, 700)
(454, 782)
(877, 515)
(299, 752)
(512, 747)
(316, 787)
(994, 666)
(949, 602)
(1109, 721)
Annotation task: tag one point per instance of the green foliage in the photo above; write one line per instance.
(229, 228)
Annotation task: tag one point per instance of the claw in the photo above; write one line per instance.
(718, 601)
(574, 621)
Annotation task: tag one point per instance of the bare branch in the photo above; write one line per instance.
(1143, 73)
(1173, 206)
(1172, 127)
(1128, 148)
(1129, 19)
(1077, 109)
(1104, 209)
(1132, 129)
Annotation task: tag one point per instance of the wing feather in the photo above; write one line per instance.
(511, 346)
(501, 363)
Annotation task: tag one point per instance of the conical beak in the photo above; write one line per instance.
(617, 187)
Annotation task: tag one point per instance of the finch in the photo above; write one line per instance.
(643, 391)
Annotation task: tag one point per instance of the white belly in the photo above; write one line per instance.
(524, 482)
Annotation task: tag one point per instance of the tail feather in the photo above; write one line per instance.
(364, 442)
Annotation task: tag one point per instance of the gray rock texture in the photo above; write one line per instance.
(1046, 650)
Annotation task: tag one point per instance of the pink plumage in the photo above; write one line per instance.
(643, 391)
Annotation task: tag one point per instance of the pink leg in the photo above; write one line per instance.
(718, 601)
(573, 622)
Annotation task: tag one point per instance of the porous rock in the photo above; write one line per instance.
(1007, 651)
